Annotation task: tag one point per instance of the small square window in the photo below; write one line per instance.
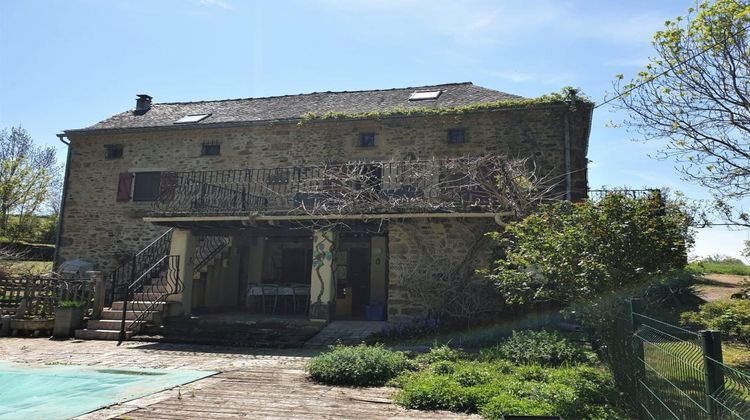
(366, 139)
(210, 149)
(456, 136)
(113, 151)
(146, 186)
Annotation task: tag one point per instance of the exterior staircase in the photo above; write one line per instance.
(148, 303)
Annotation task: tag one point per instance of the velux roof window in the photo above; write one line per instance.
(424, 95)
(193, 118)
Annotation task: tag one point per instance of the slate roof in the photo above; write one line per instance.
(292, 107)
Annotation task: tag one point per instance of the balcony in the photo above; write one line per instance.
(467, 185)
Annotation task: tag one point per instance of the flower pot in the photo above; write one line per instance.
(67, 320)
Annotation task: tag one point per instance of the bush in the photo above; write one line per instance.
(568, 252)
(495, 389)
(731, 317)
(360, 365)
(438, 353)
(537, 347)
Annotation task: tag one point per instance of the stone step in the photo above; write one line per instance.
(115, 314)
(109, 324)
(136, 305)
(112, 335)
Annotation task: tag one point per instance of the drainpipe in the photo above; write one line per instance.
(58, 237)
(568, 170)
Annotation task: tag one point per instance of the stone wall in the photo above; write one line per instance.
(421, 252)
(97, 228)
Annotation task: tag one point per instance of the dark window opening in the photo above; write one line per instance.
(147, 185)
(113, 151)
(366, 139)
(210, 149)
(456, 136)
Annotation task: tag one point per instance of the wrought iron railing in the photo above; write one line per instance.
(135, 266)
(207, 248)
(142, 299)
(597, 195)
(412, 186)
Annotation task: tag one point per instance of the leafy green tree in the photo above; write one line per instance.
(572, 251)
(27, 177)
(695, 94)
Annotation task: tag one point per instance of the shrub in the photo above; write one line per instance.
(537, 347)
(506, 404)
(568, 252)
(360, 365)
(731, 317)
(70, 304)
(495, 389)
(439, 353)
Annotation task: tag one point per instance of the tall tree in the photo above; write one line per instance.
(27, 175)
(695, 94)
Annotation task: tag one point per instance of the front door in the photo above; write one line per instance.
(358, 278)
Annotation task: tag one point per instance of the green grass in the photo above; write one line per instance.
(736, 355)
(723, 267)
(33, 267)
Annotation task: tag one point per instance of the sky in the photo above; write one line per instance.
(71, 63)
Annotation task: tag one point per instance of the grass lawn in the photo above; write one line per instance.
(724, 267)
(34, 267)
(736, 355)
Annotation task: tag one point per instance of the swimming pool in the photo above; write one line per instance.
(61, 392)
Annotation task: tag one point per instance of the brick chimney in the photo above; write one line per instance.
(142, 104)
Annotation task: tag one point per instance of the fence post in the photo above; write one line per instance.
(635, 307)
(712, 360)
(98, 280)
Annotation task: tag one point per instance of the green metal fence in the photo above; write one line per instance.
(680, 373)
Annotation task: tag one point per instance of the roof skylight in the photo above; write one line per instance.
(424, 95)
(194, 118)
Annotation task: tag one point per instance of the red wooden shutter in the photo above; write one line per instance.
(124, 186)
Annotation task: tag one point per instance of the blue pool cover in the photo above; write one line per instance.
(61, 392)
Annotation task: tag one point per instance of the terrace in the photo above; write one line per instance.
(468, 186)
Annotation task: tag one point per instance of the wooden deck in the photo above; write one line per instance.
(277, 393)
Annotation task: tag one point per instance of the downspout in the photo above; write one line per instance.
(58, 237)
(568, 170)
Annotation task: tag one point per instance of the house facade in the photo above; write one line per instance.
(248, 172)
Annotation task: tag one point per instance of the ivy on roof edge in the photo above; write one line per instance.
(567, 96)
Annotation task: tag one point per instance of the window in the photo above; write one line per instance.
(146, 186)
(193, 118)
(425, 95)
(366, 139)
(210, 149)
(456, 136)
(113, 151)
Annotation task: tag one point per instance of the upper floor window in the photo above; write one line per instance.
(366, 139)
(146, 186)
(210, 149)
(113, 151)
(456, 136)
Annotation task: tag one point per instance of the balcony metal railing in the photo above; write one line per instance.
(597, 195)
(374, 187)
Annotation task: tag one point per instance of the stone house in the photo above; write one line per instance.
(216, 205)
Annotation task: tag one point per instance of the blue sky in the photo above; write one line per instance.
(68, 64)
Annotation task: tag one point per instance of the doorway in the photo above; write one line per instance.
(358, 279)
